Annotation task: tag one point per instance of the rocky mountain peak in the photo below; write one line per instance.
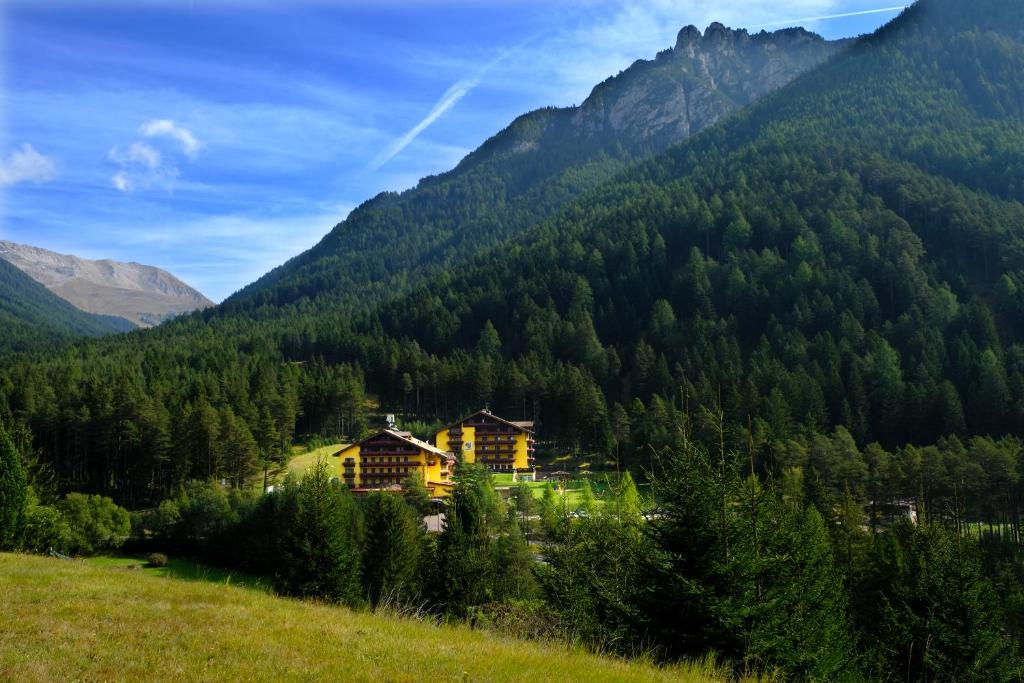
(689, 38)
(704, 77)
(716, 35)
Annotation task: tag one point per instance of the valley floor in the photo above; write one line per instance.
(72, 620)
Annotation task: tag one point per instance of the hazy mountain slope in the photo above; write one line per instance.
(145, 295)
(539, 163)
(29, 314)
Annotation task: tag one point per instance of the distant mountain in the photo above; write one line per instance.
(537, 165)
(30, 314)
(144, 295)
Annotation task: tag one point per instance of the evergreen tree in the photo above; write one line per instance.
(13, 492)
(586, 497)
(465, 557)
(926, 612)
(320, 551)
(514, 563)
(416, 495)
(394, 543)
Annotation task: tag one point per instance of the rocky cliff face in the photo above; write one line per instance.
(656, 103)
(702, 79)
(144, 295)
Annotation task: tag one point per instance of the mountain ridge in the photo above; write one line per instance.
(145, 295)
(536, 164)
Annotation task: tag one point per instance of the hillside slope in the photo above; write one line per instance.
(30, 314)
(144, 295)
(540, 162)
(850, 250)
(73, 621)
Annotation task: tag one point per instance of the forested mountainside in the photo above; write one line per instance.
(143, 295)
(540, 162)
(846, 252)
(31, 316)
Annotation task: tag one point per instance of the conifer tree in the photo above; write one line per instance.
(416, 494)
(320, 551)
(13, 492)
(394, 543)
(586, 497)
(628, 499)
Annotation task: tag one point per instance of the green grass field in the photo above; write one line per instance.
(300, 464)
(75, 620)
(182, 568)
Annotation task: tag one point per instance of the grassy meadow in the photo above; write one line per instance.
(301, 462)
(182, 568)
(76, 620)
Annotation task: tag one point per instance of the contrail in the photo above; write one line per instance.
(447, 101)
(450, 98)
(839, 16)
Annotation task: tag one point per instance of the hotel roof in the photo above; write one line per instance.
(522, 425)
(403, 436)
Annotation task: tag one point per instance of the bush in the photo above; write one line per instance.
(156, 560)
(96, 523)
(203, 514)
(524, 619)
(45, 529)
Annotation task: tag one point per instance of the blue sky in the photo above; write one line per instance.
(217, 139)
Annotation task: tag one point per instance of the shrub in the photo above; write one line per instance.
(156, 560)
(204, 513)
(524, 619)
(45, 528)
(165, 520)
(96, 523)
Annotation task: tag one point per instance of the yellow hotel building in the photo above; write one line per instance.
(485, 438)
(387, 458)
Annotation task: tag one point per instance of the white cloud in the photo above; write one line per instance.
(142, 166)
(190, 145)
(138, 153)
(120, 181)
(26, 165)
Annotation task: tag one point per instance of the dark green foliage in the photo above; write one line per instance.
(481, 554)
(320, 549)
(31, 316)
(13, 492)
(928, 613)
(96, 524)
(45, 530)
(417, 496)
(393, 554)
(594, 575)
(739, 571)
(202, 514)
